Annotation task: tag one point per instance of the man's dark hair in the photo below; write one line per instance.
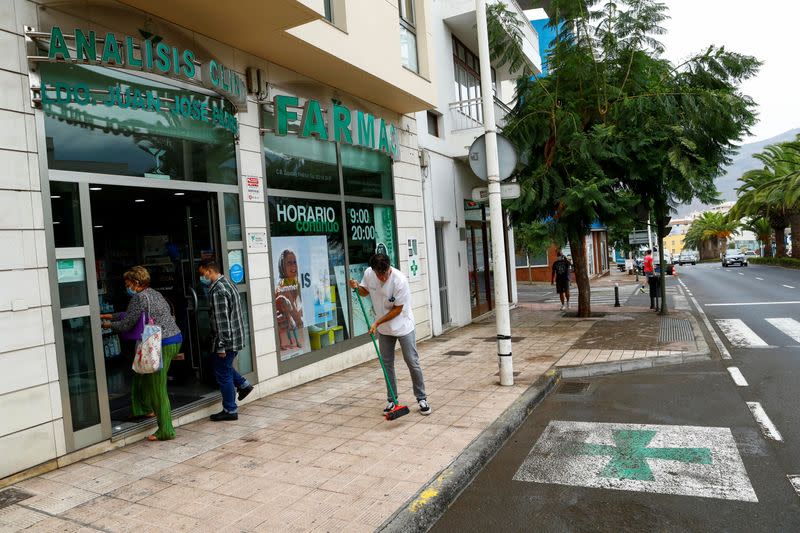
(648, 251)
(210, 264)
(380, 263)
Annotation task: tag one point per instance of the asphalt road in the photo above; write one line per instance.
(668, 449)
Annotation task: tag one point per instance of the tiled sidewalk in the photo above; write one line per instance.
(318, 457)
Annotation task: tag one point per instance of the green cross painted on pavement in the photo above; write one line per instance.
(629, 456)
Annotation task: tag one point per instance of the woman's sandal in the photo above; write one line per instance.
(152, 438)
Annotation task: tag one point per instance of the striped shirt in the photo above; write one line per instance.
(227, 323)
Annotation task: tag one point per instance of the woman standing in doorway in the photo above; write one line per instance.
(149, 391)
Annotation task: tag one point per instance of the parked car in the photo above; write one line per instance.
(751, 253)
(734, 257)
(687, 256)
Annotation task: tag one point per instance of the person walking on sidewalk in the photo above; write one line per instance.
(560, 276)
(227, 327)
(390, 294)
(652, 279)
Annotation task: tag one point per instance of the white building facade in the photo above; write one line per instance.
(458, 228)
(162, 134)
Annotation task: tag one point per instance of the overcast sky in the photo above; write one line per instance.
(766, 29)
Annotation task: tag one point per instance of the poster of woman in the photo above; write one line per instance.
(302, 291)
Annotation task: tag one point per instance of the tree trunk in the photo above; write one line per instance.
(780, 240)
(766, 242)
(577, 244)
(662, 275)
(794, 225)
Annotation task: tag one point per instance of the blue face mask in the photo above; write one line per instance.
(130, 291)
(205, 280)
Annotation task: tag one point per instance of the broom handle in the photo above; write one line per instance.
(375, 343)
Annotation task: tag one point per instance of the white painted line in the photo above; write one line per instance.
(795, 481)
(737, 376)
(740, 273)
(759, 279)
(788, 286)
(789, 302)
(723, 351)
(788, 326)
(739, 334)
(767, 427)
(683, 460)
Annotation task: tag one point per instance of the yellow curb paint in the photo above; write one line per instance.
(428, 494)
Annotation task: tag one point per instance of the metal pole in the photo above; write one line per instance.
(616, 295)
(502, 315)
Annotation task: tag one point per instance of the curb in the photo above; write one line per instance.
(617, 367)
(421, 511)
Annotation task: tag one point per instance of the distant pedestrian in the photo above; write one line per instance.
(652, 279)
(149, 391)
(560, 276)
(227, 326)
(390, 293)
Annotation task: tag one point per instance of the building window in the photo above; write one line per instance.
(467, 78)
(330, 208)
(408, 35)
(433, 124)
(329, 10)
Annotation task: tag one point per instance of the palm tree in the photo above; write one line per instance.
(709, 234)
(761, 227)
(784, 189)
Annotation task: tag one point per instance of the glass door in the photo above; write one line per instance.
(444, 303)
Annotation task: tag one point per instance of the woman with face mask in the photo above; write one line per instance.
(149, 391)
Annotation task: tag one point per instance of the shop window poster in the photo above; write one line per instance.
(302, 291)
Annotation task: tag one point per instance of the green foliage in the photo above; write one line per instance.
(505, 39)
(788, 262)
(709, 226)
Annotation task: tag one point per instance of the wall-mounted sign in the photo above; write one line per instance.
(253, 189)
(414, 266)
(236, 265)
(256, 241)
(508, 191)
(343, 125)
(142, 54)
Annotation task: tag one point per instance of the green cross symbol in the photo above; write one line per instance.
(414, 268)
(629, 456)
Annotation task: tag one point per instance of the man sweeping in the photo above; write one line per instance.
(390, 293)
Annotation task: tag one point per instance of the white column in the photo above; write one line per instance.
(502, 316)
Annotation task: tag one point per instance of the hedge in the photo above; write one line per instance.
(788, 262)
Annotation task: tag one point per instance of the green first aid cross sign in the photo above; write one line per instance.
(685, 460)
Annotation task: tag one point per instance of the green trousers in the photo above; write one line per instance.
(153, 393)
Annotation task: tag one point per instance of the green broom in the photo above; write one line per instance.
(399, 410)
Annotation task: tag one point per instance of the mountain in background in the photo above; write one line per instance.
(742, 162)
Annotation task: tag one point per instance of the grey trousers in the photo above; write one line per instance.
(408, 345)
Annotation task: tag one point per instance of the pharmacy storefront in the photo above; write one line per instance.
(155, 153)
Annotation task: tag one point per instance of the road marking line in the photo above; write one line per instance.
(723, 351)
(737, 376)
(759, 279)
(788, 326)
(788, 302)
(683, 460)
(788, 286)
(795, 481)
(740, 273)
(767, 427)
(739, 334)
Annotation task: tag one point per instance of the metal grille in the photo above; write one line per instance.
(457, 352)
(494, 339)
(675, 329)
(573, 387)
(9, 497)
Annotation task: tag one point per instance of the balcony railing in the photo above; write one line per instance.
(468, 114)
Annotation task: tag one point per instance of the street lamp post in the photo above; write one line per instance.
(502, 311)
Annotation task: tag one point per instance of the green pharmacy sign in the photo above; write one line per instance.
(344, 125)
(143, 54)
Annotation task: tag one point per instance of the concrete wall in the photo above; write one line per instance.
(30, 401)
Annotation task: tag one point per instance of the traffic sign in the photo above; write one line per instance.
(508, 191)
(506, 157)
(638, 236)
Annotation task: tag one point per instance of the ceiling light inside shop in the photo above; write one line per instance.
(139, 200)
(98, 226)
(95, 188)
(180, 194)
(54, 196)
